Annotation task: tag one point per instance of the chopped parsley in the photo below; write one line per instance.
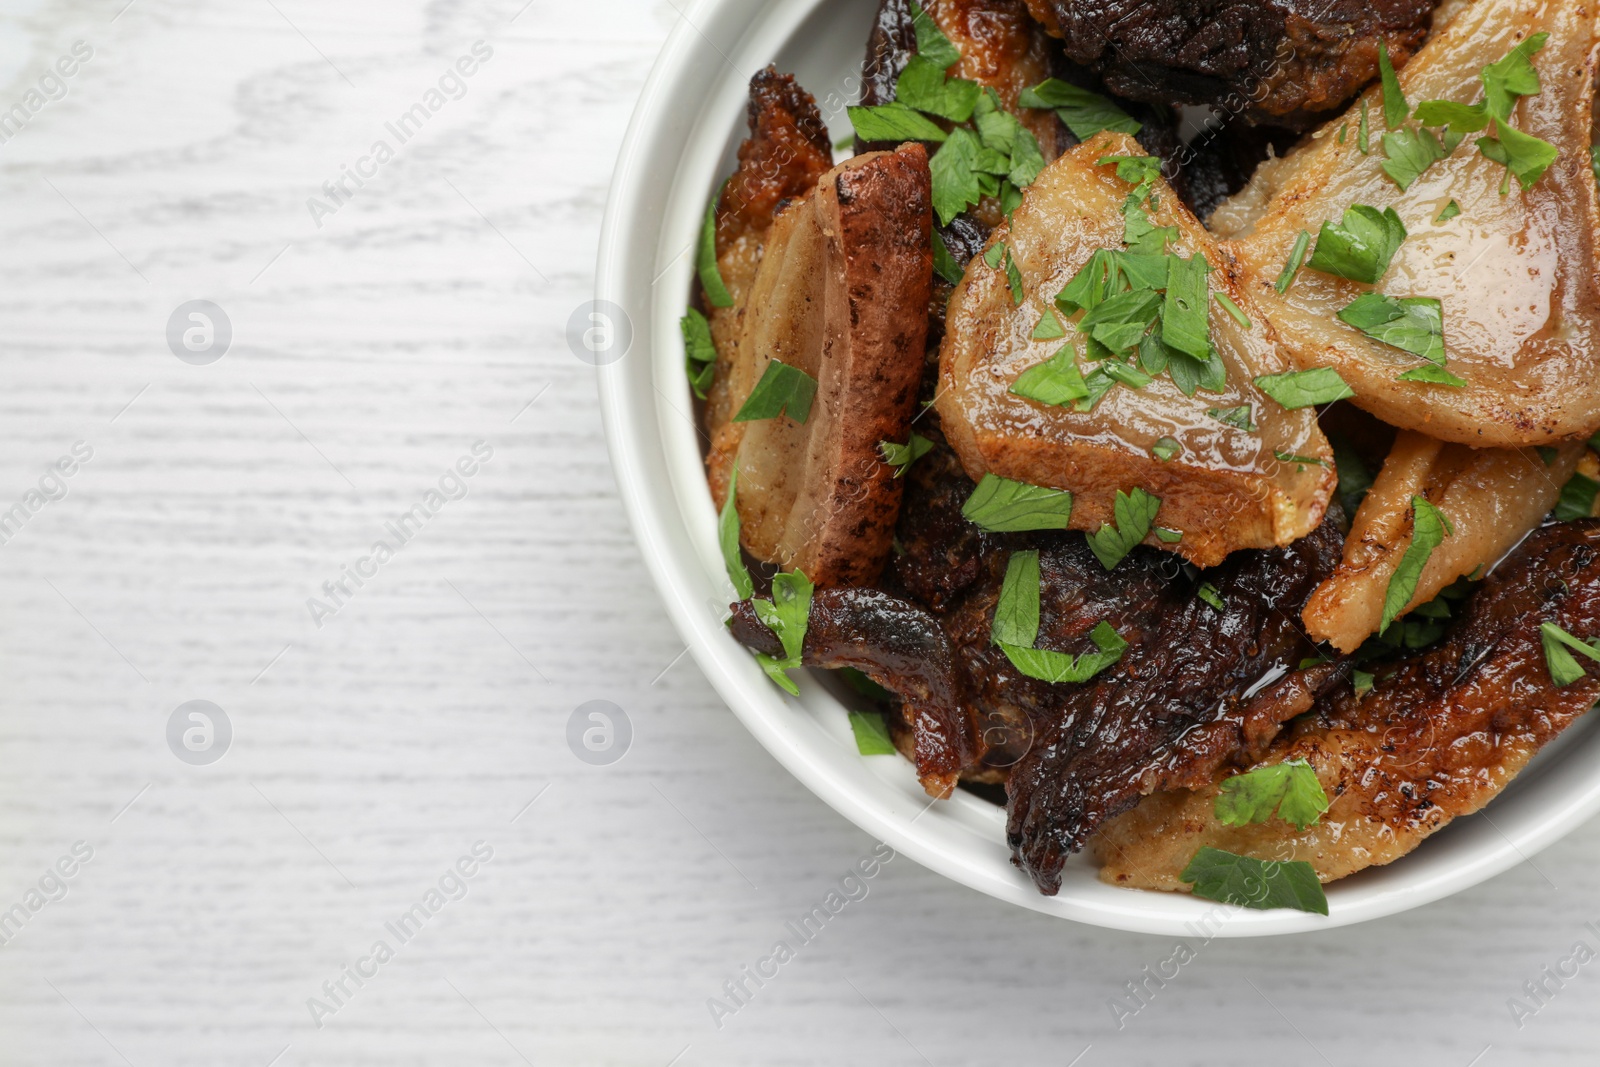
(1165, 449)
(1451, 210)
(1240, 418)
(787, 615)
(1297, 259)
(1577, 498)
(1135, 170)
(1300, 461)
(1410, 151)
(871, 733)
(782, 390)
(1001, 505)
(1504, 83)
(901, 457)
(705, 257)
(1290, 790)
(1015, 629)
(1429, 528)
(944, 264)
(1305, 388)
(1432, 374)
(1208, 594)
(1049, 328)
(1185, 322)
(894, 122)
(1134, 512)
(700, 354)
(728, 541)
(1413, 324)
(1363, 135)
(1395, 108)
(1060, 668)
(955, 178)
(1513, 77)
(1232, 309)
(1056, 381)
(923, 86)
(1520, 153)
(1168, 537)
(1361, 246)
(1083, 112)
(1564, 670)
(1252, 883)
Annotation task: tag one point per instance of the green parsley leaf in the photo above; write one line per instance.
(1141, 235)
(1190, 374)
(1081, 111)
(1099, 383)
(1429, 528)
(1297, 259)
(705, 257)
(1361, 246)
(1354, 477)
(1362, 682)
(700, 354)
(1305, 388)
(1240, 418)
(1060, 668)
(944, 264)
(1252, 883)
(1001, 505)
(1168, 537)
(1462, 118)
(1016, 613)
(787, 615)
(932, 44)
(1451, 210)
(1564, 670)
(1577, 498)
(1300, 461)
(782, 390)
(1594, 161)
(1432, 374)
(728, 541)
(955, 183)
(1135, 170)
(922, 85)
(1049, 327)
(1014, 280)
(1056, 381)
(871, 733)
(1127, 374)
(1134, 512)
(864, 685)
(1410, 153)
(1209, 595)
(1090, 285)
(1185, 322)
(1512, 77)
(893, 122)
(1120, 322)
(901, 457)
(1395, 108)
(1413, 324)
(1520, 153)
(1290, 789)
(1165, 449)
(1141, 270)
(1232, 309)
(1004, 134)
(1364, 136)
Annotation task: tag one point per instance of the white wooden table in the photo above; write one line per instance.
(369, 353)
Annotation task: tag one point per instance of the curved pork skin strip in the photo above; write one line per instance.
(1438, 738)
(903, 649)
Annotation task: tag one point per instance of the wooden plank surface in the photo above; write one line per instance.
(369, 753)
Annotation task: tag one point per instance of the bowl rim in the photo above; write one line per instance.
(669, 158)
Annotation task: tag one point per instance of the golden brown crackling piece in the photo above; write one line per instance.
(1438, 739)
(1225, 490)
(1493, 498)
(842, 294)
(785, 154)
(1517, 274)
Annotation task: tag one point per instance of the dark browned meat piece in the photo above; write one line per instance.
(1282, 62)
(1439, 736)
(1198, 690)
(903, 649)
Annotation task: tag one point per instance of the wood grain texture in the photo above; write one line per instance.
(370, 753)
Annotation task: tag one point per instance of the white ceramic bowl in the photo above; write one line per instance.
(679, 146)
